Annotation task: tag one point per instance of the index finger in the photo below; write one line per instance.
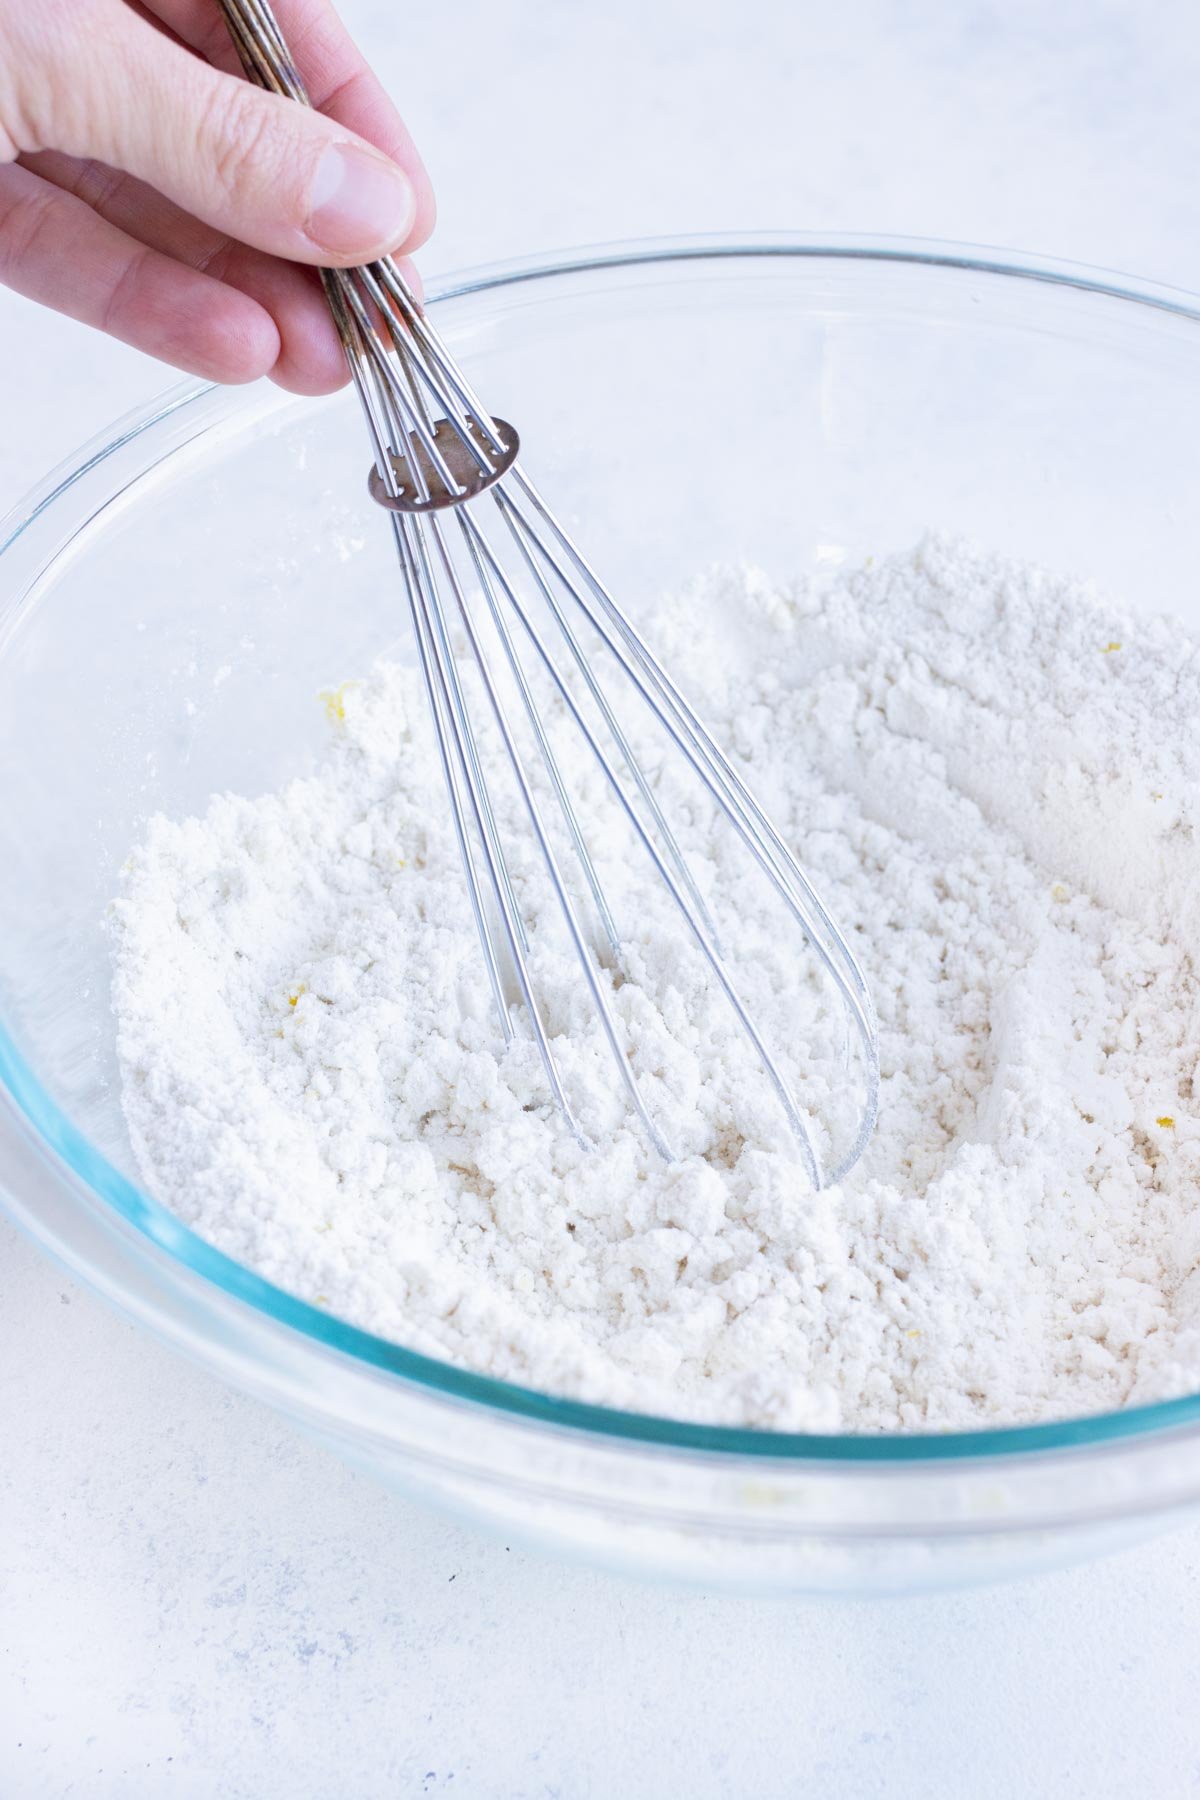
(333, 69)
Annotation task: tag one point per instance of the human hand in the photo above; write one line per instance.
(148, 189)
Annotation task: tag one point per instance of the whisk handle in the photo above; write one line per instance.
(262, 48)
(422, 463)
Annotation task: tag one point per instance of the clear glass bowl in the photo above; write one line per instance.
(172, 601)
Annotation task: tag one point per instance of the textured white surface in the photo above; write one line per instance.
(192, 1601)
(291, 973)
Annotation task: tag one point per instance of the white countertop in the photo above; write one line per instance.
(193, 1601)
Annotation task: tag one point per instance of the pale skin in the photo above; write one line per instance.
(149, 190)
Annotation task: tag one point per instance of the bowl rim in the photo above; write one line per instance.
(53, 1129)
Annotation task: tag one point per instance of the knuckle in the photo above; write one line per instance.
(240, 136)
(95, 183)
(124, 289)
(22, 223)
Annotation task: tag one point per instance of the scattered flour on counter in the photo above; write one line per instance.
(994, 783)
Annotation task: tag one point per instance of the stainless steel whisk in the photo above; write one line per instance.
(437, 451)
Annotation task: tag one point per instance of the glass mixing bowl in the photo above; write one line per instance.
(172, 602)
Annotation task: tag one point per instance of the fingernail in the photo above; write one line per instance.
(360, 204)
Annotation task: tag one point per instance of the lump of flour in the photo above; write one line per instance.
(992, 781)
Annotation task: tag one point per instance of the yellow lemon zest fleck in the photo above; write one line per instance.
(915, 1332)
(334, 700)
(1109, 648)
(322, 1300)
(293, 999)
(763, 1493)
(1166, 1122)
(1156, 796)
(1060, 891)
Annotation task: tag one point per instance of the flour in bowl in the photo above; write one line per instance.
(992, 780)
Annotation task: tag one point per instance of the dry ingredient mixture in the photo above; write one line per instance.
(993, 781)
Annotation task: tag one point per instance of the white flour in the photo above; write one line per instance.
(989, 777)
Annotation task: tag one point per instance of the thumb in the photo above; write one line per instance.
(253, 165)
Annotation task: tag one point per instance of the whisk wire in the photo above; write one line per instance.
(782, 860)
(429, 610)
(707, 947)
(480, 557)
(533, 811)
(613, 724)
(438, 700)
(395, 387)
(719, 775)
(735, 801)
(434, 350)
(420, 378)
(413, 536)
(465, 734)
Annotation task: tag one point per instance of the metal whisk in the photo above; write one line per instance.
(438, 451)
